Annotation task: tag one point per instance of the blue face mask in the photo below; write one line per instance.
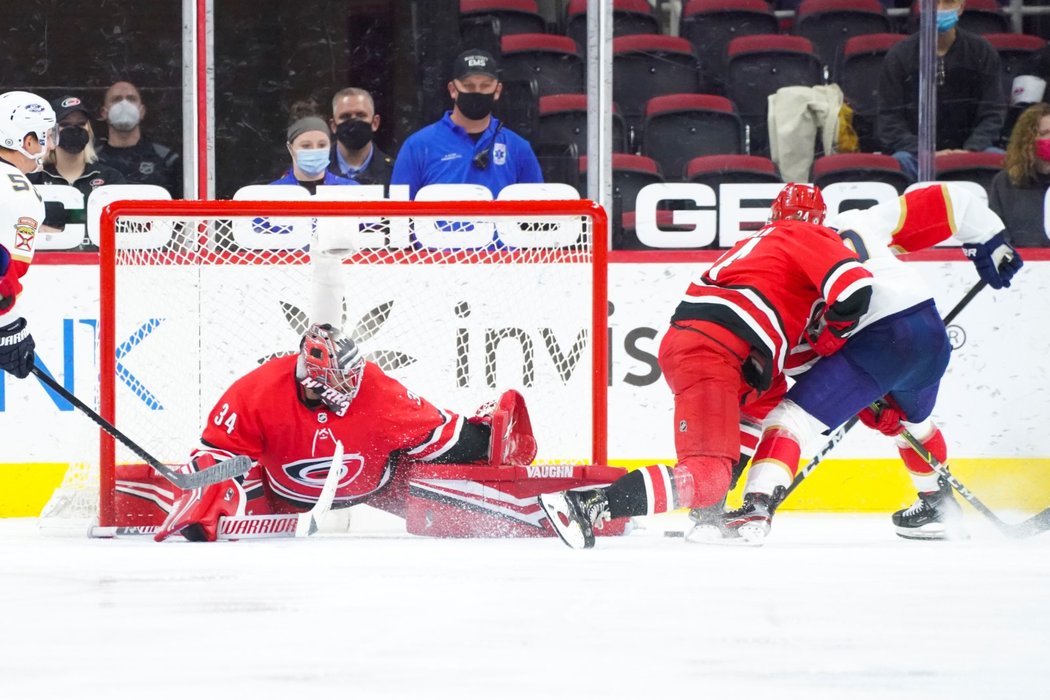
(312, 161)
(946, 20)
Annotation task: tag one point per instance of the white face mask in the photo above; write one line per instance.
(123, 116)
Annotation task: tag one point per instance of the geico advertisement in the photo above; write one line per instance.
(993, 400)
(702, 216)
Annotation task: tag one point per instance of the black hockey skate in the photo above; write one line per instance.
(934, 516)
(752, 520)
(574, 515)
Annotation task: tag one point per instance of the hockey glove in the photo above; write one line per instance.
(996, 260)
(195, 513)
(826, 336)
(16, 349)
(886, 419)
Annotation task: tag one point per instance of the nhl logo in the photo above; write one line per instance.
(499, 153)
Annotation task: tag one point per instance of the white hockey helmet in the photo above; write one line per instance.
(24, 113)
(330, 365)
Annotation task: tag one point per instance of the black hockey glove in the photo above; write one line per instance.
(16, 349)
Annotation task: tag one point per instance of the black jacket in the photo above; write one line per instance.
(970, 101)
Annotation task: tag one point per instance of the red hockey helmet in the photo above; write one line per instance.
(330, 365)
(799, 202)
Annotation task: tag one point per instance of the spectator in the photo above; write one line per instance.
(468, 144)
(310, 145)
(74, 162)
(142, 161)
(970, 102)
(354, 123)
(1019, 190)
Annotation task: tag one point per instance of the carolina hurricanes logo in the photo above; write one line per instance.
(301, 481)
(25, 232)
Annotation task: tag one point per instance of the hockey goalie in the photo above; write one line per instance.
(446, 474)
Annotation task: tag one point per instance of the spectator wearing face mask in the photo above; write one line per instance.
(354, 123)
(971, 106)
(310, 145)
(1018, 192)
(75, 163)
(468, 144)
(142, 161)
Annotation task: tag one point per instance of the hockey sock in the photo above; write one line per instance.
(644, 491)
(775, 462)
(922, 474)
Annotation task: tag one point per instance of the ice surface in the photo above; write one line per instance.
(833, 606)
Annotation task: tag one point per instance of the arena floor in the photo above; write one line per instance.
(833, 606)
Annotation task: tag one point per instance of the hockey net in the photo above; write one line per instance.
(457, 300)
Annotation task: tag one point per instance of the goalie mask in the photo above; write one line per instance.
(331, 366)
(800, 203)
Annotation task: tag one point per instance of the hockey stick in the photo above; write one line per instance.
(226, 469)
(1040, 522)
(840, 432)
(258, 527)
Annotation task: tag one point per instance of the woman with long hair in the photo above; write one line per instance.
(1017, 193)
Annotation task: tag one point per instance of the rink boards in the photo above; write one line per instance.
(992, 405)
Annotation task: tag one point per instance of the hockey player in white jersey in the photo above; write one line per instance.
(897, 356)
(27, 128)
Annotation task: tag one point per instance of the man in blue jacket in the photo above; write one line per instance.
(467, 145)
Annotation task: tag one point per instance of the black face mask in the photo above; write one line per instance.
(73, 139)
(354, 134)
(475, 105)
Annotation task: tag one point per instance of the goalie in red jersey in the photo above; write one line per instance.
(288, 414)
(723, 358)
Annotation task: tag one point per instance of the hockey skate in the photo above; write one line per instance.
(933, 516)
(710, 526)
(752, 520)
(574, 515)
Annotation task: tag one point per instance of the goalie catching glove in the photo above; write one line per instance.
(195, 513)
(996, 260)
(511, 440)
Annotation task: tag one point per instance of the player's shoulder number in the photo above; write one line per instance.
(225, 418)
(855, 242)
(19, 182)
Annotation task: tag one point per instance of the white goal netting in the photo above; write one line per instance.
(457, 301)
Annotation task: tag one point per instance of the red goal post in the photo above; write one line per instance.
(458, 300)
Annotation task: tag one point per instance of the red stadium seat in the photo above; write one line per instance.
(563, 119)
(976, 167)
(859, 167)
(718, 170)
(830, 23)
(679, 128)
(648, 65)
(711, 24)
(862, 58)
(629, 17)
(759, 66)
(549, 59)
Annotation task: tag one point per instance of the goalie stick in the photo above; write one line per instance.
(258, 527)
(226, 469)
(1040, 522)
(840, 432)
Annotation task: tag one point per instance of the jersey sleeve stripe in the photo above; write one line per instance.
(441, 440)
(844, 275)
(749, 306)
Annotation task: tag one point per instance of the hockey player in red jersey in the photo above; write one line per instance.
(288, 414)
(897, 355)
(26, 133)
(724, 355)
